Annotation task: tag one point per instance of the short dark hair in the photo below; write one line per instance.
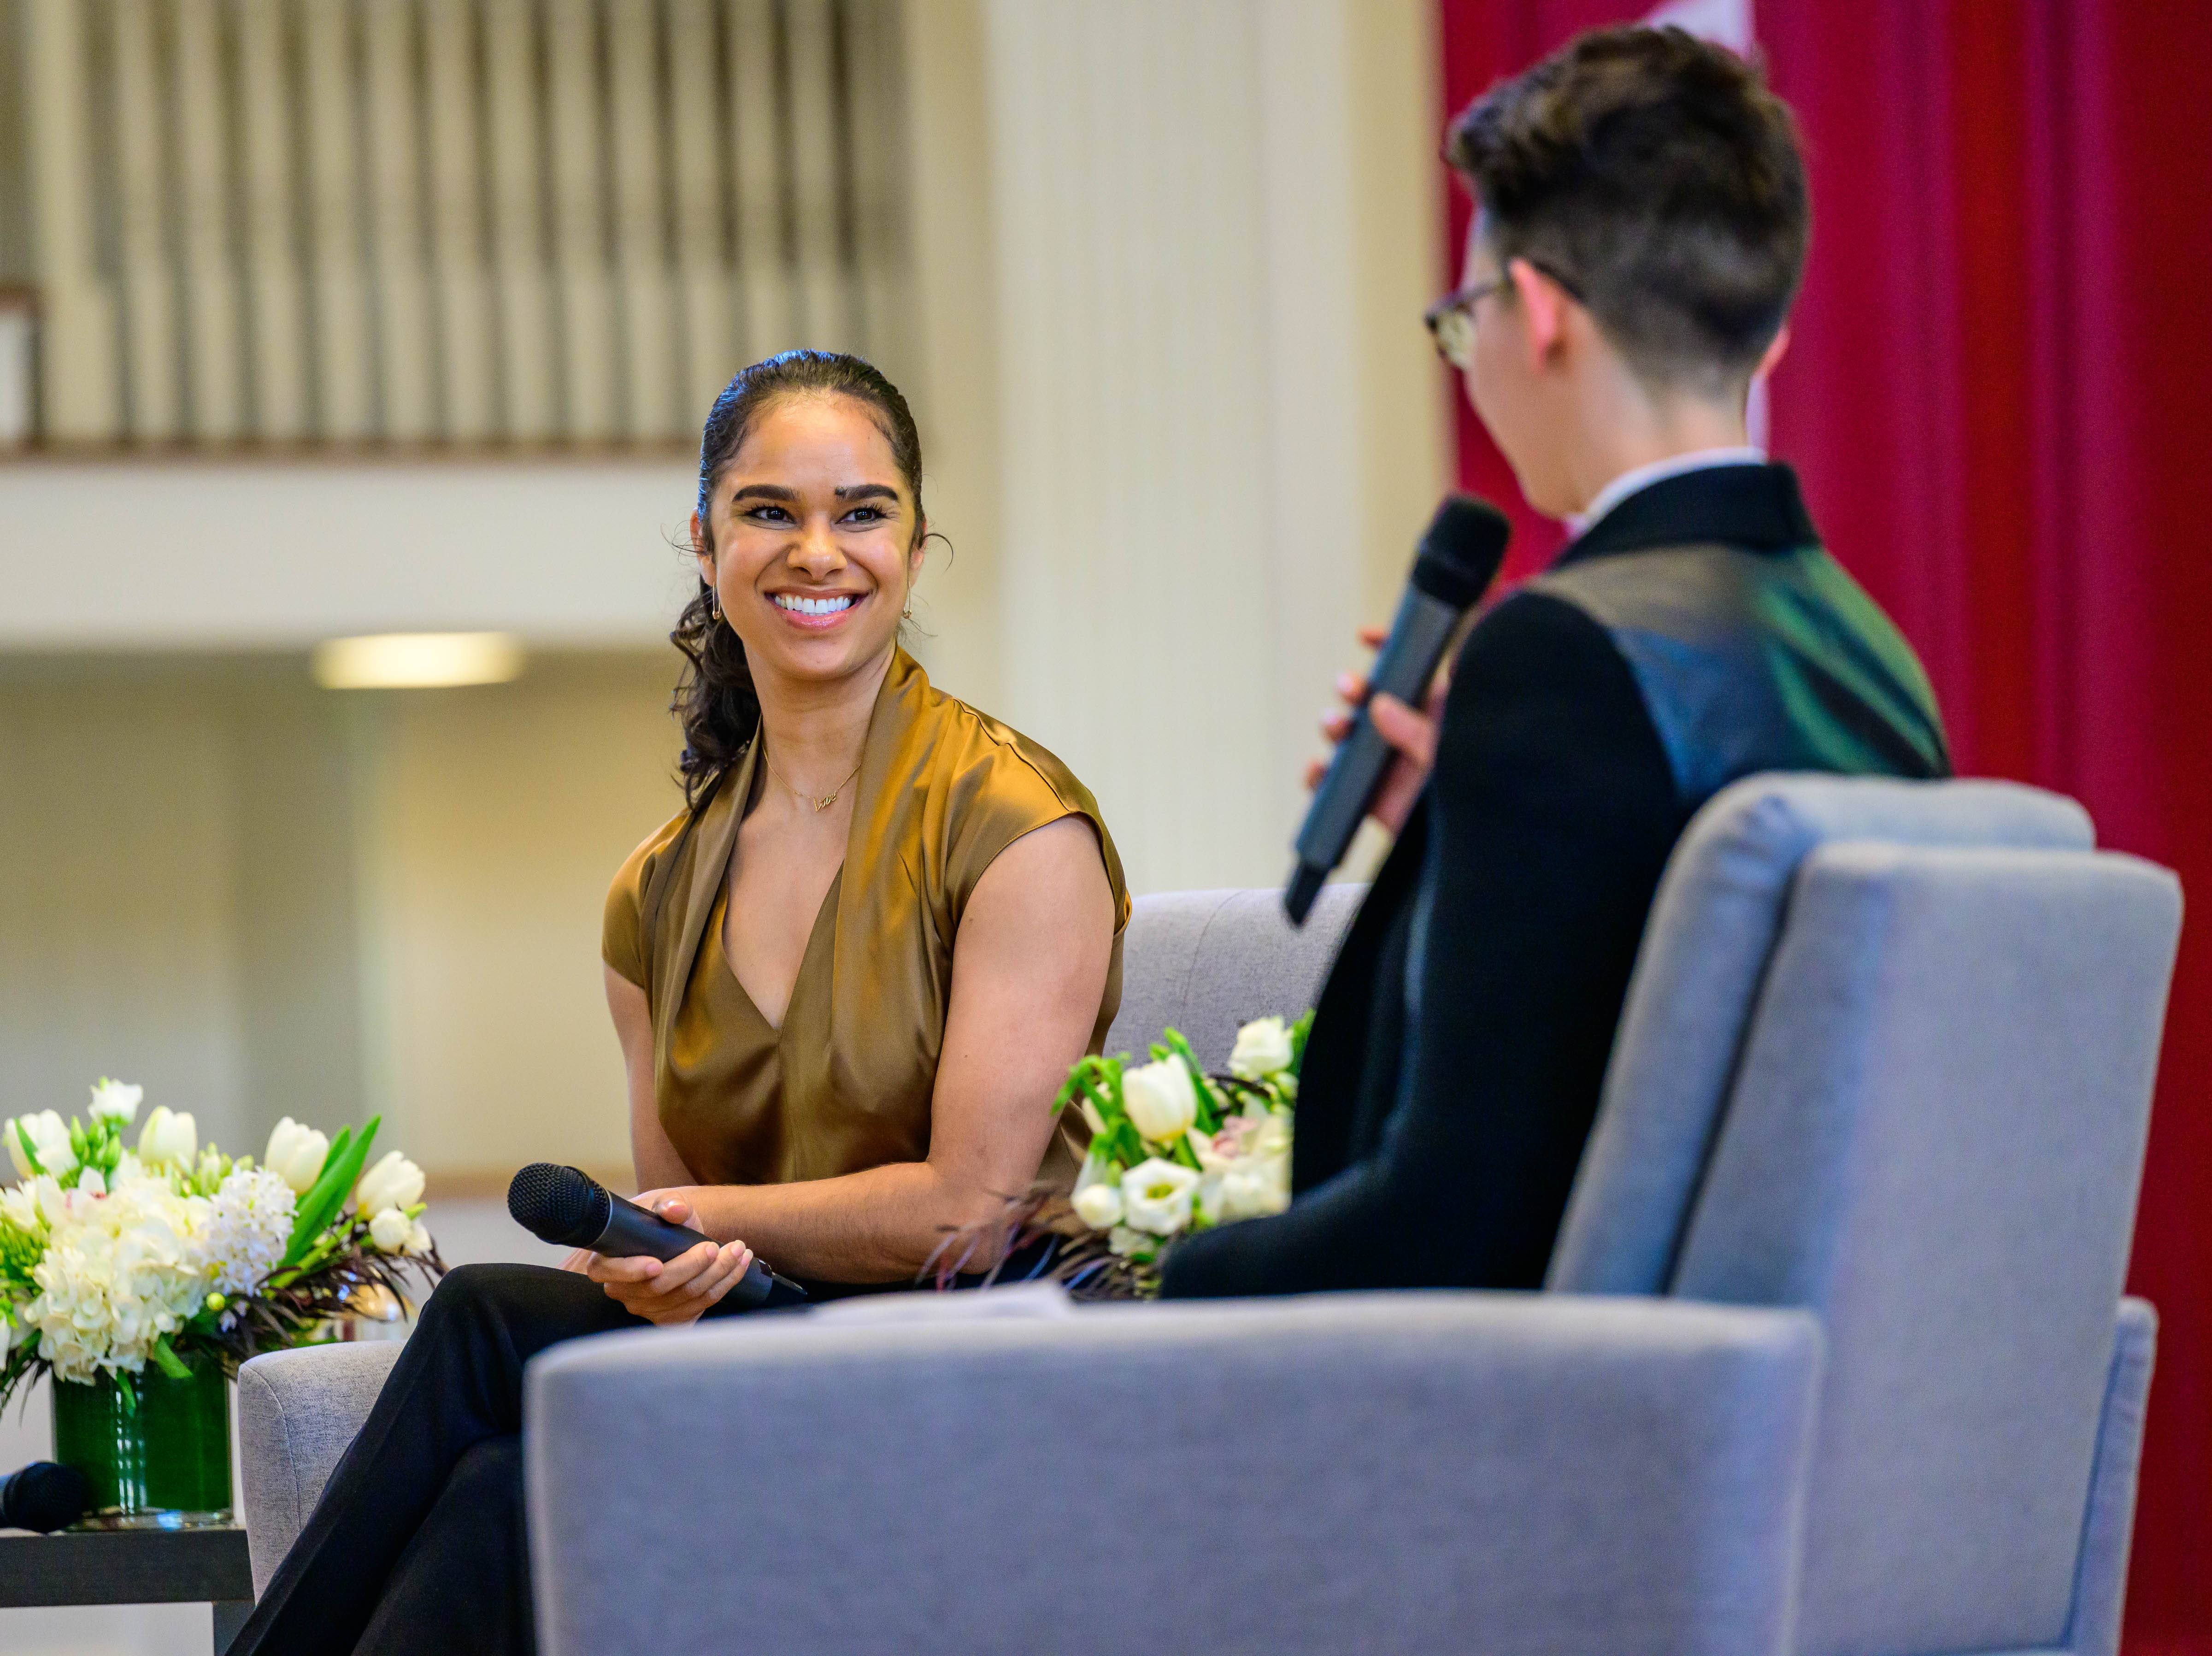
(714, 698)
(1658, 178)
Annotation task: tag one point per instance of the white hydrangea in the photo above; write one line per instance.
(249, 1223)
(120, 1270)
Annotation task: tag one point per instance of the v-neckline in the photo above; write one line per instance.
(823, 920)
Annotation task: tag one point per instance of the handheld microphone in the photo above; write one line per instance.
(1458, 558)
(42, 1497)
(567, 1206)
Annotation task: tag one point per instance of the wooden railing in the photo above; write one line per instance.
(450, 221)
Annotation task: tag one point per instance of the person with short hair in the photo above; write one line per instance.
(1641, 229)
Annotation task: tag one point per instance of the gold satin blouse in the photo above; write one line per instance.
(845, 1083)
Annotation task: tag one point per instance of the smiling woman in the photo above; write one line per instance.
(847, 979)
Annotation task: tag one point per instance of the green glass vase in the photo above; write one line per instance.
(162, 1466)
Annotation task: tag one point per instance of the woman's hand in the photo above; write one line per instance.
(673, 1291)
(1413, 734)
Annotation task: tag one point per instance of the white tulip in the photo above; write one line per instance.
(418, 1239)
(1263, 1049)
(50, 1141)
(1156, 1196)
(1160, 1099)
(390, 1230)
(394, 1181)
(1098, 1206)
(115, 1101)
(169, 1135)
(296, 1154)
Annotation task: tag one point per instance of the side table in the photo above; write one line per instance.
(132, 1567)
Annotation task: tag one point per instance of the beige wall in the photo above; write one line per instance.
(176, 906)
(497, 818)
(1170, 258)
(258, 898)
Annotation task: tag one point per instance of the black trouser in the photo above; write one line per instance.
(418, 1546)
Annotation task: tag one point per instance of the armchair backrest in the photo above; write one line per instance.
(1205, 962)
(1715, 923)
(1901, 1078)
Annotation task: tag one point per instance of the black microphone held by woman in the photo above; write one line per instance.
(567, 1206)
(1458, 559)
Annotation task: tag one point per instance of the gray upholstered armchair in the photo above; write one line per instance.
(1878, 1102)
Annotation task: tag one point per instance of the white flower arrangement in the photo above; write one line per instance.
(112, 1258)
(1172, 1150)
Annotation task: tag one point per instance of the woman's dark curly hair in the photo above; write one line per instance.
(714, 698)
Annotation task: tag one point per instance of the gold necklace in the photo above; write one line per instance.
(819, 802)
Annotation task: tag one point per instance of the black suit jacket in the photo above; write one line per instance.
(1697, 634)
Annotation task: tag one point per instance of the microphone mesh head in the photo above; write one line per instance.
(44, 1497)
(1461, 551)
(559, 1204)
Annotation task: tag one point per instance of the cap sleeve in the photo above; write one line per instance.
(622, 943)
(1020, 787)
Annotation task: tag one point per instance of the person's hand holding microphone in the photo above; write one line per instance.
(666, 1291)
(1413, 735)
(1384, 747)
(642, 1253)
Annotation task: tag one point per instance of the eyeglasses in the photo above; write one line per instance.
(1451, 319)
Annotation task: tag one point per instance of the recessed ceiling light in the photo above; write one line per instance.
(417, 661)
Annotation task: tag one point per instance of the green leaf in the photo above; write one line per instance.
(1081, 1079)
(1299, 1030)
(341, 1168)
(168, 1360)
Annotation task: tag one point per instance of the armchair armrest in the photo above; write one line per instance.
(297, 1415)
(1404, 1471)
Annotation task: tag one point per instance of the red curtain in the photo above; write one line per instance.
(1995, 396)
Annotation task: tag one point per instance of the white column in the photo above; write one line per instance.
(640, 222)
(77, 356)
(525, 298)
(1190, 372)
(811, 84)
(763, 258)
(710, 316)
(345, 381)
(579, 226)
(465, 339)
(875, 94)
(280, 358)
(396, 206)
(149, 291)
(214, 355)
(952, 380)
